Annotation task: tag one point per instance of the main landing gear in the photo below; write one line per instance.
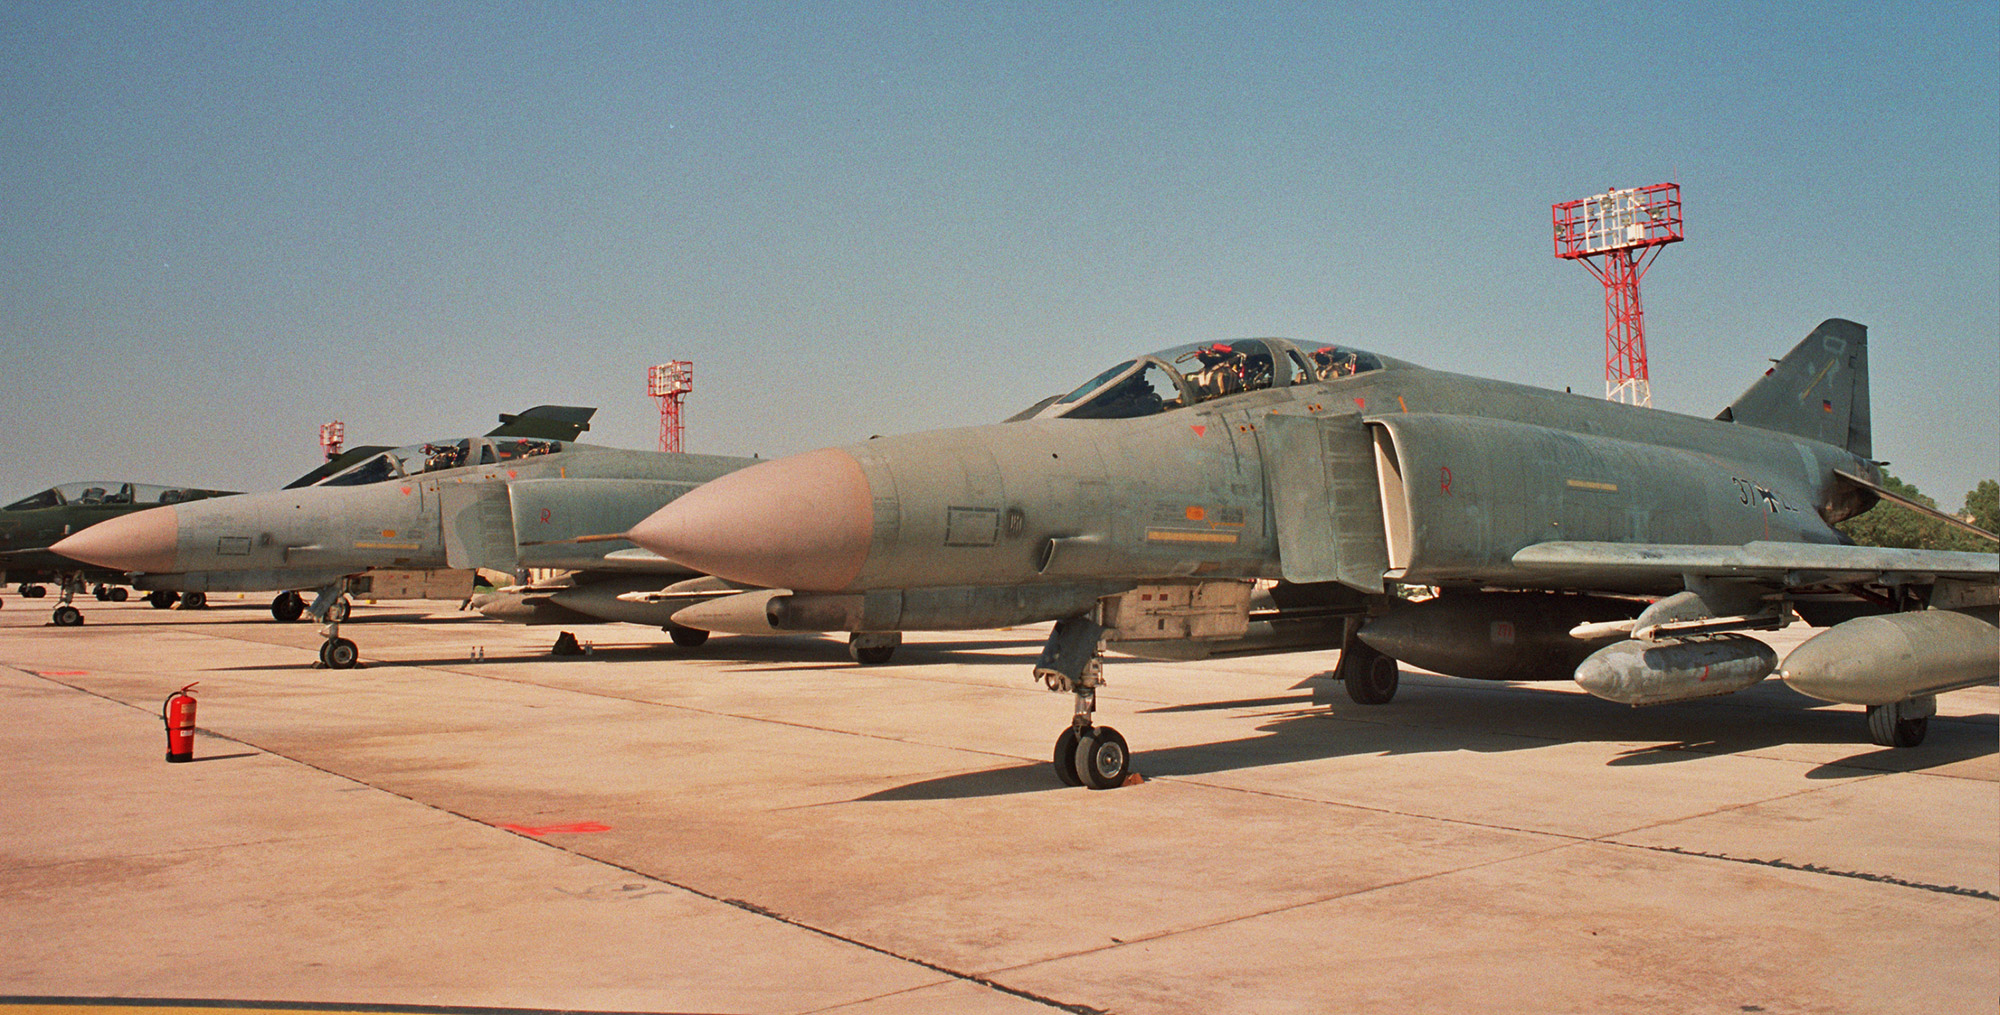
(873, 648)
(1903, 723)
(287, 607)
(1370, 676)
(329, 608)
(1073, 660)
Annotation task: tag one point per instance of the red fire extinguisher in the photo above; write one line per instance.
(178, 712)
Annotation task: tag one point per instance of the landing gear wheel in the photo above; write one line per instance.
(194, 601)
(34, 591)
(163, 599)
(101, 593)
(687, 637)
(288, 607)
(1066, 758)
(339, 654)
(1887, 729)
(873, 648)
(1373, 683)
(68, 616)
(1101, 757)
(119, 595)
(566, 645)
(337, 613)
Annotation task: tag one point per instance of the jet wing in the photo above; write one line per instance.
(1788, 564)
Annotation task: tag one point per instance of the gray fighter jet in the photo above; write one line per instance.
(1572, 538)
(418, 522)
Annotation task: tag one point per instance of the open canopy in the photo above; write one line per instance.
(433, 456)
(1190, 374)
(102, 492)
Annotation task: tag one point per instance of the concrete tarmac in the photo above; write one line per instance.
(760, 825)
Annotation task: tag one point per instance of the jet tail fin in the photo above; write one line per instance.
(1818, 391)
(545, 422)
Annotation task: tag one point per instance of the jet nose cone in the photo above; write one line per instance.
(801, 523)
(146, 540)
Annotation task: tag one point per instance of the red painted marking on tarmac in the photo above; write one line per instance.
(61, 673)
(1198, 430)
(537, 831)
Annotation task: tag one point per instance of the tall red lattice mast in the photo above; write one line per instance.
(331, 437)
(670, 383)
(1625, 230)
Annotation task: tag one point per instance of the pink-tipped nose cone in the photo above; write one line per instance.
(802, 523)
(146, 541)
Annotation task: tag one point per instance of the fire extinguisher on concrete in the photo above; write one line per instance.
(178, 713)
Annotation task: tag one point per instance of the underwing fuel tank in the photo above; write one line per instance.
(1655, 672)
(1885, 659)
(1496, 635)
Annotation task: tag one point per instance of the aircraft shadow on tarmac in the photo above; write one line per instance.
(1449, 716)
(780, 654)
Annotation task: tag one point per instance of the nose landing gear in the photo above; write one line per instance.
(329, 608)
(66, 615)
(1073, 660)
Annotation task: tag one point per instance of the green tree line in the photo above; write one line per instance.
(1888, 524)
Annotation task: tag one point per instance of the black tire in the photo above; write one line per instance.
(287, 607)
(101, 593)
(687, 637)
(1066, 759)
(340, 654)
(1102, 758)
(34, 591)
(1373, 681)
(163, 599)
(119, 595)
(68, 616)
(1886, 730)
(194, 601)
(873, 655)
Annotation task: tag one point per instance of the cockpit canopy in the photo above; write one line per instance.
(1190, 374)
(435, 456)
(98, 492)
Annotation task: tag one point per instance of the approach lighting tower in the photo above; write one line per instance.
(1617, 234)
(332, 436)
(670, 382)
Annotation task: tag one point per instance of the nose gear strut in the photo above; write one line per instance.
(1073, 661)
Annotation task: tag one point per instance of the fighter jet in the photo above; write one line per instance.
(1571, 538)
(31, 526)
(415, 521)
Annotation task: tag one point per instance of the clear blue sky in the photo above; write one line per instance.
(224, 224)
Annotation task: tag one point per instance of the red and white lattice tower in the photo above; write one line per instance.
(670, 382)
(1625, 230)
(332, 436)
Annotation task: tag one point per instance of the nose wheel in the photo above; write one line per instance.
(330, 608)
(339, 654)
(1086, 754)
(66, 615)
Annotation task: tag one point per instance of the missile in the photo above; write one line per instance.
(1498, 635)
(745, 613)
(1652, 672)
(1885, 659)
